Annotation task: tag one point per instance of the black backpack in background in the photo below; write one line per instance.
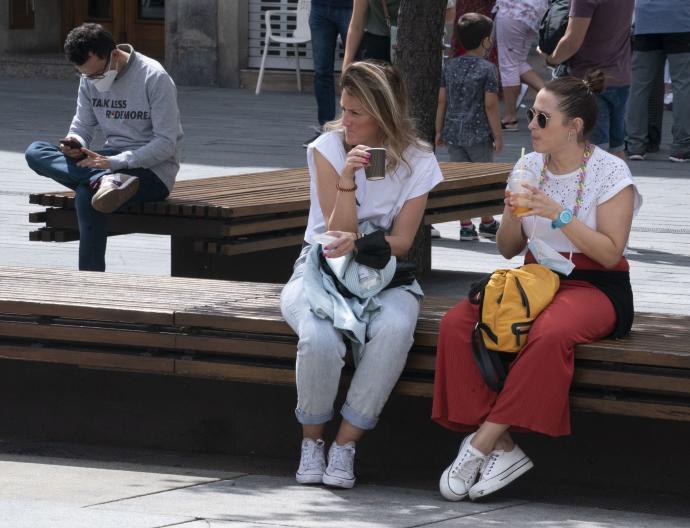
(553, 25)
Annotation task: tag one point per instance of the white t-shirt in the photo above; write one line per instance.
(378, 201)
(606, 176)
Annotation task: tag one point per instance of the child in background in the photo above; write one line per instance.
(468, 117)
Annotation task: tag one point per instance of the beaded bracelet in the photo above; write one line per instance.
(337, 186)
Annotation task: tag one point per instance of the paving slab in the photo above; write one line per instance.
(84, 483)
(540, 515)
(29, 514)
(262, 499)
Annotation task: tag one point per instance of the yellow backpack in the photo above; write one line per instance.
(509, 301)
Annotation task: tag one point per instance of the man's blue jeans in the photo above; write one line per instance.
(326, 23)
(609, 130)
(47, 160)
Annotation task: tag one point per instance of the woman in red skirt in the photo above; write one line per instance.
(583, 209)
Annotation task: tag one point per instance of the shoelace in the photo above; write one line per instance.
(489, 462)
(341, 458)
(467, 469)
(310, 457)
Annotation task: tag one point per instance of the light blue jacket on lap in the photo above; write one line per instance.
(351, 316)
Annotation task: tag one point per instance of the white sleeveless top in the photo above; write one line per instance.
(378, 201)
(606, 176)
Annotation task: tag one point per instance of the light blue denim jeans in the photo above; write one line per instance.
(321, 352)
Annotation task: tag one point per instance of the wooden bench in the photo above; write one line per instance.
(251, 226)
(234, 331)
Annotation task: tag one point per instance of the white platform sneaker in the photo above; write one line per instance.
(500, 469)
(459, 477)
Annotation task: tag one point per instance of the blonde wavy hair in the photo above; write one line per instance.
(381, 91)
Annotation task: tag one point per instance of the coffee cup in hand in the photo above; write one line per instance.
(376, 170)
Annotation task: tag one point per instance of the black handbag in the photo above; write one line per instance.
(553, 25)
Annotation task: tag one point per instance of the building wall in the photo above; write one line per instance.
(43, 38)
(206, 41)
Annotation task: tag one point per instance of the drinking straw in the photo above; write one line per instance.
(522, 159)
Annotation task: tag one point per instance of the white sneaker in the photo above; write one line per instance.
(340, 472)
(113, 191)
(435, 233)
(312, 462)
(500, 469)
(459, 477)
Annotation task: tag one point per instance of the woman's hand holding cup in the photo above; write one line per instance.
(357, 158)
(518, 194)
(539, 203)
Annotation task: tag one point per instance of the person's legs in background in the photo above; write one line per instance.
(480, 153)
(47, 160)
(326, 23)
(647, 62)
(617, 98)
(93, 235)
(514, 39)
(679, 67)
(655, 114)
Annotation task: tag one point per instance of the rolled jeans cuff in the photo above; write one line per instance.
(358, 419)
(312, 419)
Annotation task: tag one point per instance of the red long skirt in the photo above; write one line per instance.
(535, 394)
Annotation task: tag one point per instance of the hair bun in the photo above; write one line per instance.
(595, 81)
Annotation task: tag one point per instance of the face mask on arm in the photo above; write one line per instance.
(549, 257)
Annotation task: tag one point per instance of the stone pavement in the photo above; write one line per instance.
(66, 488)
(231, 132)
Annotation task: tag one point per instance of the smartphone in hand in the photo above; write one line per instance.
(70, 143)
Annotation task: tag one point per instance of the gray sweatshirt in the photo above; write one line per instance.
(138, 117)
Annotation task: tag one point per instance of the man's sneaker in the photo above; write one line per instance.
(500, 469)
(113, 191)
(435, 233)
(680, 158)
(312, 462)
(459, 477)
(489, 230)
(637, 156)
(468, 232)
(340, 472)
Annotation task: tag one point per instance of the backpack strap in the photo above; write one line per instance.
(489, 363)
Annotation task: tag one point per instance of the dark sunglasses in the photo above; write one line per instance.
(542, 118)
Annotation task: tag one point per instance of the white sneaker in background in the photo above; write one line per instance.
(459, 477)
(340, 472)
(113, 191)
(435, 233)
(521, 96)
(500, 469)
(312, 462)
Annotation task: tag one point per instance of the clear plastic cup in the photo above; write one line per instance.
(518, 178)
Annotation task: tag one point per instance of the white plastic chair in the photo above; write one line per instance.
(300, 35)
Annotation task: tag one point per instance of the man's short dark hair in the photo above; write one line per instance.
(86, 39)
(471, 29)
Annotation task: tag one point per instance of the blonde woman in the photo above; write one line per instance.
(374, 114)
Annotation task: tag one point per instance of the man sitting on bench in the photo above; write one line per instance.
(133, 101)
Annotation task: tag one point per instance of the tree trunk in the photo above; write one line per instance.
(419, 56)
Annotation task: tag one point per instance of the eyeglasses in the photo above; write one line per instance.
(542, 118)
(95, 76)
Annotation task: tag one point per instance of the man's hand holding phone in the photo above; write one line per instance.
(71, 148)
